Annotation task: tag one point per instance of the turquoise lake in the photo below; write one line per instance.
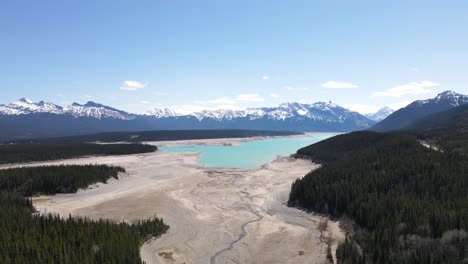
(251, 154)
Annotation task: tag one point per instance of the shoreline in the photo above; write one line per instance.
(169, 143)
(215, 141)
(216, 215)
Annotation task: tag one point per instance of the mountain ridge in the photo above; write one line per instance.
(455, 118)
(420, 108)
(26, 119)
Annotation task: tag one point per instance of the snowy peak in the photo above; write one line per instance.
(448, 93)
(25, 106)
(161, 112)
(24, 103)
(452, 97)
(99, 111)
(448, 97)
(381, 114)
(24, 100)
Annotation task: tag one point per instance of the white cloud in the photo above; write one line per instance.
(411, 88)
(275, 95)
(145, 102)
(87, 96)
(265, 77)
(132, 85)
(339, 85)
(249, 98)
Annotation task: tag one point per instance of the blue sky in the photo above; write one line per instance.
(191, 55)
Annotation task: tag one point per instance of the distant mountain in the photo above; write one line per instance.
(319, 116)
(25, 106)
(455, 118)
(25, 119)
(419, 109)
(99, 111)
(161, 112)
(381, 114)
(326, 112)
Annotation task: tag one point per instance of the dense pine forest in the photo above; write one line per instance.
(14, 153)
(29, 181)
(26, 237)
(409, 203)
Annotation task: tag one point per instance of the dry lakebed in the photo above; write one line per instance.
(216, 215)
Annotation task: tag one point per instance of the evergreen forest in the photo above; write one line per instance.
(27, 237)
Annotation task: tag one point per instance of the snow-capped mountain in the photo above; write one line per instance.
(26, 119)
(381, 114)
(447, 98)
(161, 112)
(25, 106)
(419, 109)
(319, 116)
(99, 111)
(320, 111)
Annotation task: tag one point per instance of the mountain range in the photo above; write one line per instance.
(25, 106)
(25, 119)
(406, 116)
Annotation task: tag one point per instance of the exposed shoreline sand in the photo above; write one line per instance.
(206, 142)
(215, 215)
(219, 141)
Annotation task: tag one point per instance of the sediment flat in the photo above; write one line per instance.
(215, 215)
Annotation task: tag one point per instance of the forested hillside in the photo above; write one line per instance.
(14, 153)
(409, 203)
(26, 237)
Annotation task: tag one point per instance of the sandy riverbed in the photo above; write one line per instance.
(215, 215)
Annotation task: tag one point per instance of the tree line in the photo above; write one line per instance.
(16, 153)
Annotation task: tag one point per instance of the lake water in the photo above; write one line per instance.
(251, 154)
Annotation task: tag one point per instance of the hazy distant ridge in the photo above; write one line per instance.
(26, 119)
